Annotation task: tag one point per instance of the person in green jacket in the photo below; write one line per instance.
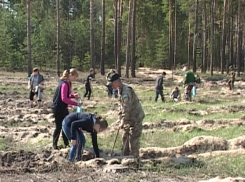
(189, 82)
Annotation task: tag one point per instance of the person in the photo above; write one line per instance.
(61, 100)
(72, 126)
(231, 81)
(131, 115)
(36, 86)
(111, 92)
(159, 86)
(89, 79)
(175, 95)
(189, 82)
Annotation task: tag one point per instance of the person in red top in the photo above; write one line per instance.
(61, 100)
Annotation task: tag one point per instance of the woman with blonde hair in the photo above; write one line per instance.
(61, 100)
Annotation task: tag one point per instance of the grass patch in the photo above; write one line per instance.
(170, 138)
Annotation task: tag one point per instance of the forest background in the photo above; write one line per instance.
(206, 35)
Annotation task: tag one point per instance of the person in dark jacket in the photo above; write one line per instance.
(89, 79)
(159, 86)
(74, 123)
(61, 100)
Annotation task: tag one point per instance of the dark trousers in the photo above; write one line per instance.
(32, 94)
(59, 117)
(159, 92)
(88, 91)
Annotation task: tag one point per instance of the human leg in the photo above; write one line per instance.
(230, 86)
(80, 144)
(157, 94)
(59, 117)
(31, 97)
(125, 142)
(89, 92)
(134, 139)
(161, 94)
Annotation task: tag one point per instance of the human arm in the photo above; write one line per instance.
(95, 144)
(64, 97)
(127, 107)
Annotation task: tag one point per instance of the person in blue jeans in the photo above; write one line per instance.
(74, 123)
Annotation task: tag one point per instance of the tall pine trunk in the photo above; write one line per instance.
(204, 26)
(133, 39)
(175, 33)
(129, 38)
(92, 51)
(195, 37)
(119, 35)
(212, 36)
(28, 9)
(58, 36)
(170, 64)
(239, 39)
(189, 42)
(223, 38)
(115, 31)
(102, 61)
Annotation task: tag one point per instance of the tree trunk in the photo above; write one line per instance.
(129, 38)
(115, 31)
(102, 61)
(195, 37)
(170, 34)
(133, 40)
(228, 36)
(189, 43)
(58, 36)
(212, 36)
(119, 35)
(223, 38)
(231, 37)
(204, 51)
(239, 39)
(175, 33)
(92, 53)
(28, 9)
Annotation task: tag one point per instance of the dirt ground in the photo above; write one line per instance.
(26, 129)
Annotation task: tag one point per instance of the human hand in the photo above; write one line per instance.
(121, 125)
(73, 142)
(76, 95)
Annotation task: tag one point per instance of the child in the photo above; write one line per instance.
(175, 95)
(90, 77)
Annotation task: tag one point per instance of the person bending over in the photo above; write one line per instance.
(73, 126)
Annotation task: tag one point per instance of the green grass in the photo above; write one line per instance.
(224, 165)
(169, 138)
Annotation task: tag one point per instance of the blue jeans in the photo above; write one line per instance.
(76, 150)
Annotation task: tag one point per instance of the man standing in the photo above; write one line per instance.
(189, 82)
(159, 86)
(131, 115)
